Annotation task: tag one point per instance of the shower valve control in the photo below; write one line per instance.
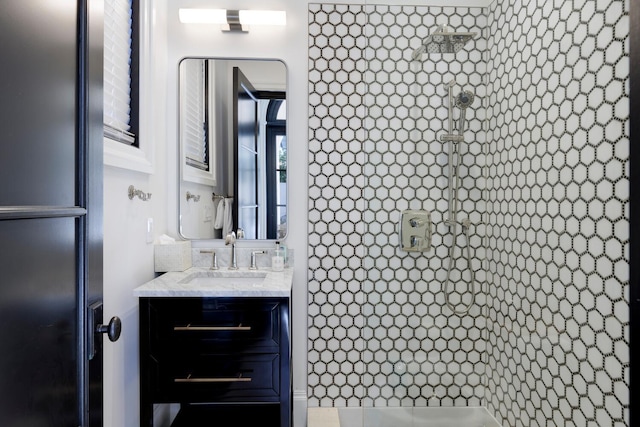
(415, 231)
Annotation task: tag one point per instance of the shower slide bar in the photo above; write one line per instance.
(462, 101)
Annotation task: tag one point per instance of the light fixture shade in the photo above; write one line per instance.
(219, 16)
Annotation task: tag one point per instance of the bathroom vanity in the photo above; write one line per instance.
(218, 344)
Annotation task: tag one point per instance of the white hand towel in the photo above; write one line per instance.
(219, 222)
(228, 217)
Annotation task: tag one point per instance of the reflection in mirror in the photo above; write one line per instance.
(233, 148)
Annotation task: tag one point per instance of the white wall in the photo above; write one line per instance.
(128, 258)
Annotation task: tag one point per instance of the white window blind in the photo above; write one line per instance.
(117, 70)
(194, 132)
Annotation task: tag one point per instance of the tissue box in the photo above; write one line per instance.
(172, 257)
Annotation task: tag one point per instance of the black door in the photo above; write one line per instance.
(245, 136)
(50, 211)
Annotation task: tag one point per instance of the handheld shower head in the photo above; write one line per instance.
(463, 101)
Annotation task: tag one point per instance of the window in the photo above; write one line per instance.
(197, 119)
(121, 71)
(195, 114)
(276, 151)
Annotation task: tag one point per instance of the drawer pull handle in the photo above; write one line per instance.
(212, 328)
(239, 379)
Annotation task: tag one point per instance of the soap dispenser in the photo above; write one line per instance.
(277, 260)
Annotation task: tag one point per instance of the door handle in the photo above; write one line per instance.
(113, 329)
(96, 328)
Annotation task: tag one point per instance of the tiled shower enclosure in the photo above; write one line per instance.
(544, 182)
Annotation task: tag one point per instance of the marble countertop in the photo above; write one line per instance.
(181, 284)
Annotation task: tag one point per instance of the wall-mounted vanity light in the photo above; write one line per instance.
(233, 20)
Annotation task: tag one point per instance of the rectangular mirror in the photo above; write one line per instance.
(233, 148)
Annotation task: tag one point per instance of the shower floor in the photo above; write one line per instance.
(416, 417)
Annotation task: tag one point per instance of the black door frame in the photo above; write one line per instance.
(90, 196)
(243, 91)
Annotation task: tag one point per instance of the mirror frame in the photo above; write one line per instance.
(232, 185)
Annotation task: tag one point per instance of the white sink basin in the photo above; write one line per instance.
(222, 278)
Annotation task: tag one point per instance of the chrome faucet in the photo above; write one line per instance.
(231, 240)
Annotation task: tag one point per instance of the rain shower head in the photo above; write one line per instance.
(443, 41)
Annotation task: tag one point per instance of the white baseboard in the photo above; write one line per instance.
(299, 408)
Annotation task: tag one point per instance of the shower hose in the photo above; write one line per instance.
(471, 285)
(466, 224)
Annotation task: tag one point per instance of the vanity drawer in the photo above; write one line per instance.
(220, 377)
(206, 325)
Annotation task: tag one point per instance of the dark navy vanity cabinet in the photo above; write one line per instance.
(226, 361)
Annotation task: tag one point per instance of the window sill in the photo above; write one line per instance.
(198, 176)
(123, 156)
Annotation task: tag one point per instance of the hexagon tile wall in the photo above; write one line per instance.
(544, 181)
(557, 213)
